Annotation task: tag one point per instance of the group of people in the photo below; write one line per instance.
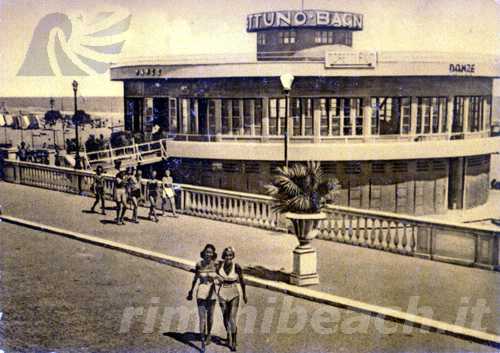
(218, 281)
(127, 192)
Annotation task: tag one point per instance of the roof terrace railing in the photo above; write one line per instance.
(457, 243)
(319, 56)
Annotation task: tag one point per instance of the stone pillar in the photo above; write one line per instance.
(218, 120)
(449, 116)
(414, 114)
(265, 119)
(367, 118)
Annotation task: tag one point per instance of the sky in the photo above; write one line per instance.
(171, 27)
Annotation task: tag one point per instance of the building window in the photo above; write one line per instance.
(261, 38)
(340, 116)
(458, 115)
(237, 116)
(391, 115)
(432, 115)
(302, 116)
(333, 37)
(227, 116)
(287, 37)
(476, 105)
(277, 116)
(172, 114)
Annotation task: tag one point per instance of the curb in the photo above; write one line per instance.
(280, 287)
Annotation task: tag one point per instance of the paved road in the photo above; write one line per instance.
(367, 275)
(59, 295)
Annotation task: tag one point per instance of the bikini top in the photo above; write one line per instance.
(231, 277)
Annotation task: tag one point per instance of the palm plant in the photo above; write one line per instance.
(301, 188)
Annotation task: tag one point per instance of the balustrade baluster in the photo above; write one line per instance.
(365, 231)
(372, 233)
(396, 236)
(405, 238)
(187, 202)
(356, 230)
(336, 229)
(350, 229)
(343, 228)
(380, 233)
(388, 236)
(413, 243)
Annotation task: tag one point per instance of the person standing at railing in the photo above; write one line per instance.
(98, 189)
(153, 186)
(168, 193)
(120, 195)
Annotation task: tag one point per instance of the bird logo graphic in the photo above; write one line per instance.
(76, 46)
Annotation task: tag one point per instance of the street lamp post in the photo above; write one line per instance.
(287, 82)
(78, 164)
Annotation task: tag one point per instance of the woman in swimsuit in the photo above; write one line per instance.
(134, 185)
(120, 195)
(153, 186)
(231, 276)
(168, 193)
(205, 276)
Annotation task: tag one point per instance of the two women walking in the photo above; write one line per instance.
(218, 280)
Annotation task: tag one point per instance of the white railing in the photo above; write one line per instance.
(401, 234)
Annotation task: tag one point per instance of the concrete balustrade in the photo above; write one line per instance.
(457, 243)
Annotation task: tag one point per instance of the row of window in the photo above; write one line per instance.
(320, 37)
(330, 168)
(336, 116)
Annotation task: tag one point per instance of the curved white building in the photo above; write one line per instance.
(402, 131)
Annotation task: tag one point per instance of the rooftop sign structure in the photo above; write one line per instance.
(304, 18)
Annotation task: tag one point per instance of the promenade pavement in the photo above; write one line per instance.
(367, 275)
(63, 296)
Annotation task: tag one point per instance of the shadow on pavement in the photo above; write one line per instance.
(187, 338)
(265, 273)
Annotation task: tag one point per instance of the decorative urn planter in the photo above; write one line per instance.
(305, 264)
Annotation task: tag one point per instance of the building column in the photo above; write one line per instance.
(242, 117)
(466, 116)
(265, 119)
(367, 118)
(317, 120)
(218, 119)
(449, 116)
(352, 115)
(486, 113)
(252, 117)
(414, 115)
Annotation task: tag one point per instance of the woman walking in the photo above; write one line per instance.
(134, 185)
(205, 276)
(99, 190)
(153, 186)
(229, 295)
(120, 196)
(168, 193)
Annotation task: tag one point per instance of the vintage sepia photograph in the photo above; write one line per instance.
(289, 176)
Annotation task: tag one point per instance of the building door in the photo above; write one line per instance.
(134, 114)
(161, 114)
(456, 184)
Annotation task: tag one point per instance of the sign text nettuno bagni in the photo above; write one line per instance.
(304, 18)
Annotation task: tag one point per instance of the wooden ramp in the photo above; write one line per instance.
(143, 153)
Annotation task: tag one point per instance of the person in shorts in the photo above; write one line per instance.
(98, 189)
